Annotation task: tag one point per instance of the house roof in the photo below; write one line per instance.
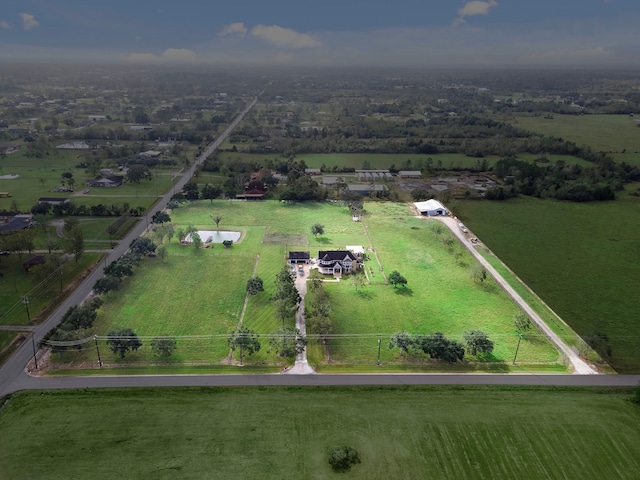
(429, 206)
(35, 260)
(18, 222)
(335, 255)
(410, 173)
(299, 255)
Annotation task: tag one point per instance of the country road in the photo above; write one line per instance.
(13, 369)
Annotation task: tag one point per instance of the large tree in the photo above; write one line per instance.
(477, 341)
(287, 341)
(137, 173)
(161, 218)
(122, 341)
(317, 229)
(142, 246)
(163, 347)
(209, 192)
(396, 279)
(254, 285)
(286, 294)
(245, 339)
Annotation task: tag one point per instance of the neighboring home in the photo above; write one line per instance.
(96, 118)
(141, 127)
(53, 200)
(299, 257)
(110, 181)
(251, 195)
(8, 148)
(410, 174)
(81, 145)
(150, 154)
(16, 223)
(337, 262)
(105, 172)
(431, 208)
(312, 171)
(364, 189)
(33, 261)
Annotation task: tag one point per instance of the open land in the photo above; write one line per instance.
(399, 432)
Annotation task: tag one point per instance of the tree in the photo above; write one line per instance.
(522, 323)
(75, 243)
(107, 284)
(163, 347)
(438, 346)
(122, 341)
(478, 273)
(80, 317)
(286, 294)
(169, 232)
(401, 340)
(162, 252)
(191, 191)
(142, 246)
(245, 339)
(209, 192)
(254, 285)
(396, 279)
(161, 218)
(196, 240)
(477, 341)
(137, 173)
(217, 219)
(287, 342)
(343, 458)
(357, 280)
(317, 229)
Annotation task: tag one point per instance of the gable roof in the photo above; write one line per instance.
(336, 255)
(299, 255)
(429, 206)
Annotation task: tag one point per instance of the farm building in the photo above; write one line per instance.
(431, 208)
(33, 261)
(299, 257)
(109, 181)
(312, 171)
(52, 200)
(410, 174)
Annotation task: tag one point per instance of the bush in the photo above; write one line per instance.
(343, 458)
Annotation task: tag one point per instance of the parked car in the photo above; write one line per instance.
(5, 252)
(301, 271)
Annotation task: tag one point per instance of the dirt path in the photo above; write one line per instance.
(301, 367)
(579, 365)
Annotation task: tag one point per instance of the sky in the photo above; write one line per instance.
(418, 33)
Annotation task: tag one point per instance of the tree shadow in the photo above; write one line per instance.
(404, 291)
(323, 240)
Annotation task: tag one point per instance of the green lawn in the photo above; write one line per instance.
(582, 259)
(286, 433)
(607, 133)
(202, 294)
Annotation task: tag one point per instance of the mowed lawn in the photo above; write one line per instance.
(440, 295)
(286, 433)
(582, 259)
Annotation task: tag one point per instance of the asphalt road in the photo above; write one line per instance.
(14, 368)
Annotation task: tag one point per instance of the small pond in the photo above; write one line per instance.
(216, 236)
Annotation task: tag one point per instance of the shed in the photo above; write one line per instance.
(33, 261)
(299, 257)
(431, 208)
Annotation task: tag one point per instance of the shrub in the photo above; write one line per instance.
(343, 458)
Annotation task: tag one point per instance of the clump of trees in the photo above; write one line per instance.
(342, 458)
(123, 340)
(436, 345)
(246, 340)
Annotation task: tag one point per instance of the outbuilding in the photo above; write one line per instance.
(431, 208)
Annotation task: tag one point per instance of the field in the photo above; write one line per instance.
(607, 133)
(201, 294)
(582, 259)
(286, 433)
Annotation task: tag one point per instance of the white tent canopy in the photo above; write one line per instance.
(431, 208)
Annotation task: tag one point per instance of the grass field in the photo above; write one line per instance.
(607, 133)
(582, 259)
(286, 433)
(202, 294)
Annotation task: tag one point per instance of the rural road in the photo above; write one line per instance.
(579, 365)
(13, 369)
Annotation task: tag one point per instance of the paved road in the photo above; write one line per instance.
(14, 368)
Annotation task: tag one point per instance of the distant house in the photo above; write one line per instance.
(431, 208)
(53, 200)
(150, 154)
(373, 175)
(141, 127)
(5, 194)
(16, 223)
(337, 262)
(81, 145)
(8, 148)
(110, 181)
(410, 174)
(96, 118)
(33, 261)
(312, 171)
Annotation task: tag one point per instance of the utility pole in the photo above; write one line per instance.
(95, 339)
(25, 300)
(517, 348)
(379, 342)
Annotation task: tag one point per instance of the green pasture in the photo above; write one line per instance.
(202, 293)
(15, 283)
(581, 259)
(6, 338)
(606, 133)
(286, 433)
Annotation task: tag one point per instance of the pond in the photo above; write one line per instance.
(216, 236)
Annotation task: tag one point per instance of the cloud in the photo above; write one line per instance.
(237, 28)
(28, 21)
(171, 55)
(5, 25)
(475, 7)
(284, 37)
